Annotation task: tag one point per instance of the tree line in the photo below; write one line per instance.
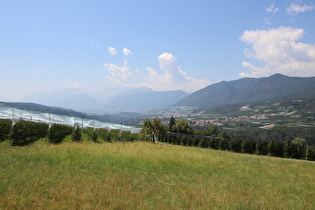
(179, 132)
(26, 132)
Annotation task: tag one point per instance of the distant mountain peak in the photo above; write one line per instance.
(278, 75)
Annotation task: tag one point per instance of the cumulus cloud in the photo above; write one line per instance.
(294, 9)
(112, 51)
(173, 78)
(280, 52)
(127, 51)
(119, 74)
(168, 63)
(272, 9)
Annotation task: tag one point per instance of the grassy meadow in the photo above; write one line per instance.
(144, 175)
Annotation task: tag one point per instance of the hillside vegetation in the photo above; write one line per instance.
(252, 90)
(143, 175)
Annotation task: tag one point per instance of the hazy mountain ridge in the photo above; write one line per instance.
(71, 98)
(107, 101)
(251, 90)
(144, 100)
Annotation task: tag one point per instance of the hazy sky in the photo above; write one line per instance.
(163, 44)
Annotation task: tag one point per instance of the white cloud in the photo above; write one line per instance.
(168, 63)
(151, 71)
(272, 9)
(280, 52)
(112, 51)
(127, 51)
(294, 9)
(173, 78)
(118, 74)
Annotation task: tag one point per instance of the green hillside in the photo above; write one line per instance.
(252, 90)
(149, 176)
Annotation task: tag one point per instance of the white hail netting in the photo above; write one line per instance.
(16, 114)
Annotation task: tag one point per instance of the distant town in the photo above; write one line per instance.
(264, 115)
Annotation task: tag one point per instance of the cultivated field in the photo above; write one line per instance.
(149, 176)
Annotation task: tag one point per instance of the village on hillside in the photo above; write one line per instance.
(263, 116)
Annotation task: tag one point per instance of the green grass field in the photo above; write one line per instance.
(149, 176)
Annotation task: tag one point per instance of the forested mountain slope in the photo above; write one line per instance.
(251, 90)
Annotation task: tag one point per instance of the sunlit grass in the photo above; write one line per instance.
(149, 176)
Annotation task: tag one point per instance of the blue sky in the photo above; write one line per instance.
(164, 45)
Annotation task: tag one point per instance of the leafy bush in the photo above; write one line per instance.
(101, 133)
(184, 140)
(275, 149)
(248, 145)
(127, 136)
(223, 144)
(24, 132)
(204, 143)
(88, 132)
(179, 140)
(297, 151)
(58, 132)
(77, 134)
(235, 144)
(311, 153)
(94, 136)
(214, 143)
(5, 128)
(190, 141)
(196, 141)
(113, 135)
(261, 147)
(136, 137)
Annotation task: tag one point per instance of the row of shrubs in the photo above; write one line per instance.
(242, 144)
(26, 132)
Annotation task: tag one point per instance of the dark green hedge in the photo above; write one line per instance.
(242, 144)
(101, 134)
(24, 132)
(127, 136)
(58, 132)
(5, 129)
(77, 134)
(113, 135)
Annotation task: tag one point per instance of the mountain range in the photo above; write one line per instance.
(241, 91)
(107, 101)
(251, 90)
(72, 98)
(144, 100)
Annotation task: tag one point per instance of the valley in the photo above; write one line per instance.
(247, 106)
